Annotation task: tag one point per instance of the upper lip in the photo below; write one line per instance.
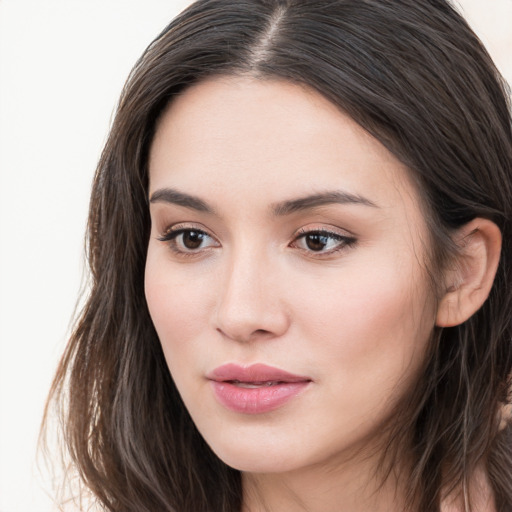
(253, 373)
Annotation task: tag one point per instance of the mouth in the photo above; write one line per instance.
(256, 374)
(254, 385)
(255, 389)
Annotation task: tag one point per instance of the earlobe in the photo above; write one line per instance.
(469, 281)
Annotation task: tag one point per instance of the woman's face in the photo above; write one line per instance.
(285, 273)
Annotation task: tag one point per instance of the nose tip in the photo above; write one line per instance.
(245, 328)
(250, 306)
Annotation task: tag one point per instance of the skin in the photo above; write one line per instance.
(355, 316)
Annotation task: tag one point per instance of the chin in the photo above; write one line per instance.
(251, 456)
(256, 461)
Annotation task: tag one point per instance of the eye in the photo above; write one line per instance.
(188, 240)
(322, 241)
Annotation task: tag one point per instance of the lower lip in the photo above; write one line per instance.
(256, 400)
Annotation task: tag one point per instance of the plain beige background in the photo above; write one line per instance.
(62, 66)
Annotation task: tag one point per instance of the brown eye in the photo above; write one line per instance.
(188, 240)
(323, 242)
(316, 241)
(192, 239)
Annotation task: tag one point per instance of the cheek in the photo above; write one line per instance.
(367, 334)
(177, 303)
(369, 323)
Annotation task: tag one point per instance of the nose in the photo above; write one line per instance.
(250, 304)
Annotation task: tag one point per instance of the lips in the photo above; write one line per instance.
(255, 389)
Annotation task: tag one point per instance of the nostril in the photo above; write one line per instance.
(245, 337)
(261, 332)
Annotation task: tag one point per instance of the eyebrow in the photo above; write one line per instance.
(321, 199)
(173, 196)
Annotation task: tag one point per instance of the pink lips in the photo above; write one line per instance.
(255, 389)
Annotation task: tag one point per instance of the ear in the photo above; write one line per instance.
(469, 281)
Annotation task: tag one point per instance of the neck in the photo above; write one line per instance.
(329, 488)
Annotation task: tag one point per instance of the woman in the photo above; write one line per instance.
(299, 240)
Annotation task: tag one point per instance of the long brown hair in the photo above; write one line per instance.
(414, 75)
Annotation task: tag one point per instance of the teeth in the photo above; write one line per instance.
(253, 385)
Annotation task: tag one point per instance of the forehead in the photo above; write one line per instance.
(269, 139)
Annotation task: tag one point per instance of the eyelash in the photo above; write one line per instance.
(172, 233)
(342, 241)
